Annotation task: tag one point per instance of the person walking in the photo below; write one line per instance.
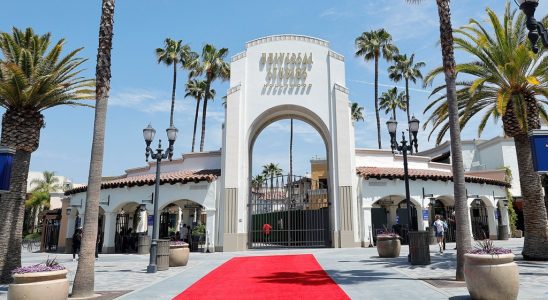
(98, 244)
(76, 243)
(438, 225)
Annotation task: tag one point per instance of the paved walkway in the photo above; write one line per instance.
(359, 272)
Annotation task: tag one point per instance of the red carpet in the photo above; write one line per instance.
(266, 277)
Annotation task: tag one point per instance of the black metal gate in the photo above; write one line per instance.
(478, 216)
(50, 227)
(288, 211)
(123, 238)
(165, 223)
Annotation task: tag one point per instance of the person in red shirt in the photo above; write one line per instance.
(266, 231)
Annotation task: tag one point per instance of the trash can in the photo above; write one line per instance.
(432, 235)
(144, 244)
(502, 232)
(419, 247)
(162, 256)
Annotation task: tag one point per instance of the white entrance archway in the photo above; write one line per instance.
(279, 77)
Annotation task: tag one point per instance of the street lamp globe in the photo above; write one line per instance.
(172, 134)
(392, 126)
(148, 134)
(414, 125)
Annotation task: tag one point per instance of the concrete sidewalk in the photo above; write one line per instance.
(358, 271)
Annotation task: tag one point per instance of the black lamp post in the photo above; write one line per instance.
(403, 148)
(536, 29)
(148, 134)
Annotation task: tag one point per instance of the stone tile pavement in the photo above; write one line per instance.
(359, 272)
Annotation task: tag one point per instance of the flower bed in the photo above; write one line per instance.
(40, 281)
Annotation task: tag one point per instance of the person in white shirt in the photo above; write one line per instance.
(439, 227)
(184, 233)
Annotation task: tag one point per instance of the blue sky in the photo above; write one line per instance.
(140, 88)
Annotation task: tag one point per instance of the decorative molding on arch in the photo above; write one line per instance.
(234, 89)
(336, 55)
(287, 37)
(341, 88)
(238, 56)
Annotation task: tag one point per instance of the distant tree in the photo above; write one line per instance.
(405, 68)
(213, 66)
(271, 170)
(174, 54)
(373, 45)
(356, 112)
(197, 89)
(391, 100)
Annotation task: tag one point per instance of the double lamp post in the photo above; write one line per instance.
(403, 148)
(148, 134)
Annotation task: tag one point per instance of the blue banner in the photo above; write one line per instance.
(539, 147)
(6, 162)
(425, 214)
(150, 220)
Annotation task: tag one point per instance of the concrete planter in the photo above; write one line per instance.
(178, 255)
(388, 246)
(491, 276)
(52, 285)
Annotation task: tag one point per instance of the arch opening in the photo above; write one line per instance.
(289, 182)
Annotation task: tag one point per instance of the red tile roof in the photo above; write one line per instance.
(414, 174)
(149, 179)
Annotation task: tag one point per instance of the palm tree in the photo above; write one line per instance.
(173, 54)
(271, 170)
(391, 100)
(37, 201)
(33, 77)
(405, 68)
(257, 181)
(464, 241)
(197, 89)
(372, 45)
(84, 279)
(41, 194)
(509, 82)
(356, 112)
(49, 183)
(213, 66)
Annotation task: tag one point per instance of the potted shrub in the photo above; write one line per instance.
(490, 272)
(42, 281)
(388, 244)
(178, 253)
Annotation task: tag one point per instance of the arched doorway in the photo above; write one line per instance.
(184, 220)
(125, 237)
(479, 219)
(446, 210)
(289, 210)
(402, 217)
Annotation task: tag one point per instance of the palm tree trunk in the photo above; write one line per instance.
(204, 112)
(394, 113)
(173, 94)
(535, 245)
(408, 108)
(464, 241)
(12, 213)
(377, 101)
(195, 123)
(84, 279)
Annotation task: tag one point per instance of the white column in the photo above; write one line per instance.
(110, 232)
(210, 230)
(367, 226)
(492, 222)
